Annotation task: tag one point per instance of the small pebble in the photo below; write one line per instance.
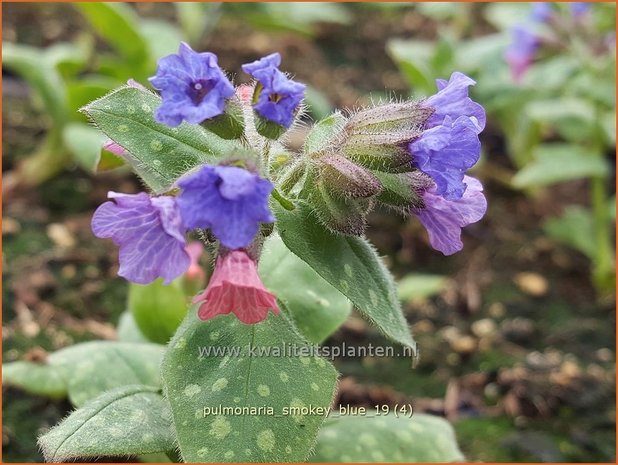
(531, 283)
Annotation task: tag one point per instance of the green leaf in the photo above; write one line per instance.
(387, 439)
(574, 228)
(42, 76)
(84, 142)
(118, 24)
(162, 37)
(87, 89)
(556, 110)
(195, 381)
(94, 367)
(348, 263)
(419, 286)
(560, 162)
(297, 16)
(41, 379)
(158, 154)
(316, 307)
(324, 132)
(158, 309)
(318, 103)
(127, 330)
(70, 58)
(414, 60)
(128, 420)
(506, 15)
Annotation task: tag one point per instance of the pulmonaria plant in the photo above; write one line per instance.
(214, 160)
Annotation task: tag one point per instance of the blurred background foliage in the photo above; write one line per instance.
(516, 332)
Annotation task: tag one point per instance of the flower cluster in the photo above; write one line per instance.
(150, 231)
(195, 89)
(412, 156)
(525, 39)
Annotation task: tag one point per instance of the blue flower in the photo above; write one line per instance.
(193, 87)
(452, 100)
(443, 218)
(278, 97)
(231, 201)
(521, 52)
(541, 12)
(149, 232)
(579, 8)
(446, 152)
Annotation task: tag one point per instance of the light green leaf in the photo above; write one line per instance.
(41, 379)
(42, 76)
(158, 309)
(574, 228)
(128, 420)
(197, 18)
(118, 24)
(324, 132)
(162, 37)
(506, 15)
(419, 286)
(318, 103)
(348, 263)
(87, 89)
(84, 142)
(158, 154)
(297, 16)
(194, 382)
(556, 110)
(94, 367)
(387, 439)
(316, 307)
(127, 330)
(414, 60)
(555, 163)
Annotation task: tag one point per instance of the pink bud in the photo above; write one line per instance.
(195, 271)
(136, 85)
(114, 148)
(245, 93)
(236, 287)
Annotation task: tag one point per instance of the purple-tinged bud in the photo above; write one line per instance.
(377, 138)
(403, 190)
(389, 117)
(339, 214)
(345, 179)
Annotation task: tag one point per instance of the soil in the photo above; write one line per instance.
(517, 350)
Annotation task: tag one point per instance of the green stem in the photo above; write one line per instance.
(285, 203)
(603, 266)
(291, 177)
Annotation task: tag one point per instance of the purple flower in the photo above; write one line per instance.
(443, 218)
(149, 232)
(193, 87)
(452, 100)
(231, 201)
(541, 12)
(279, 96)
(520, 54)
(579, 8)
(446, 152)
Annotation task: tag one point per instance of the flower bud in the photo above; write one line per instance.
(377, 138)
(230, 124)
(403, 190)
(346, 179)
(339, 214)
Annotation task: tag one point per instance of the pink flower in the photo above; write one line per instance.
(114, 148)
(236, 287)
